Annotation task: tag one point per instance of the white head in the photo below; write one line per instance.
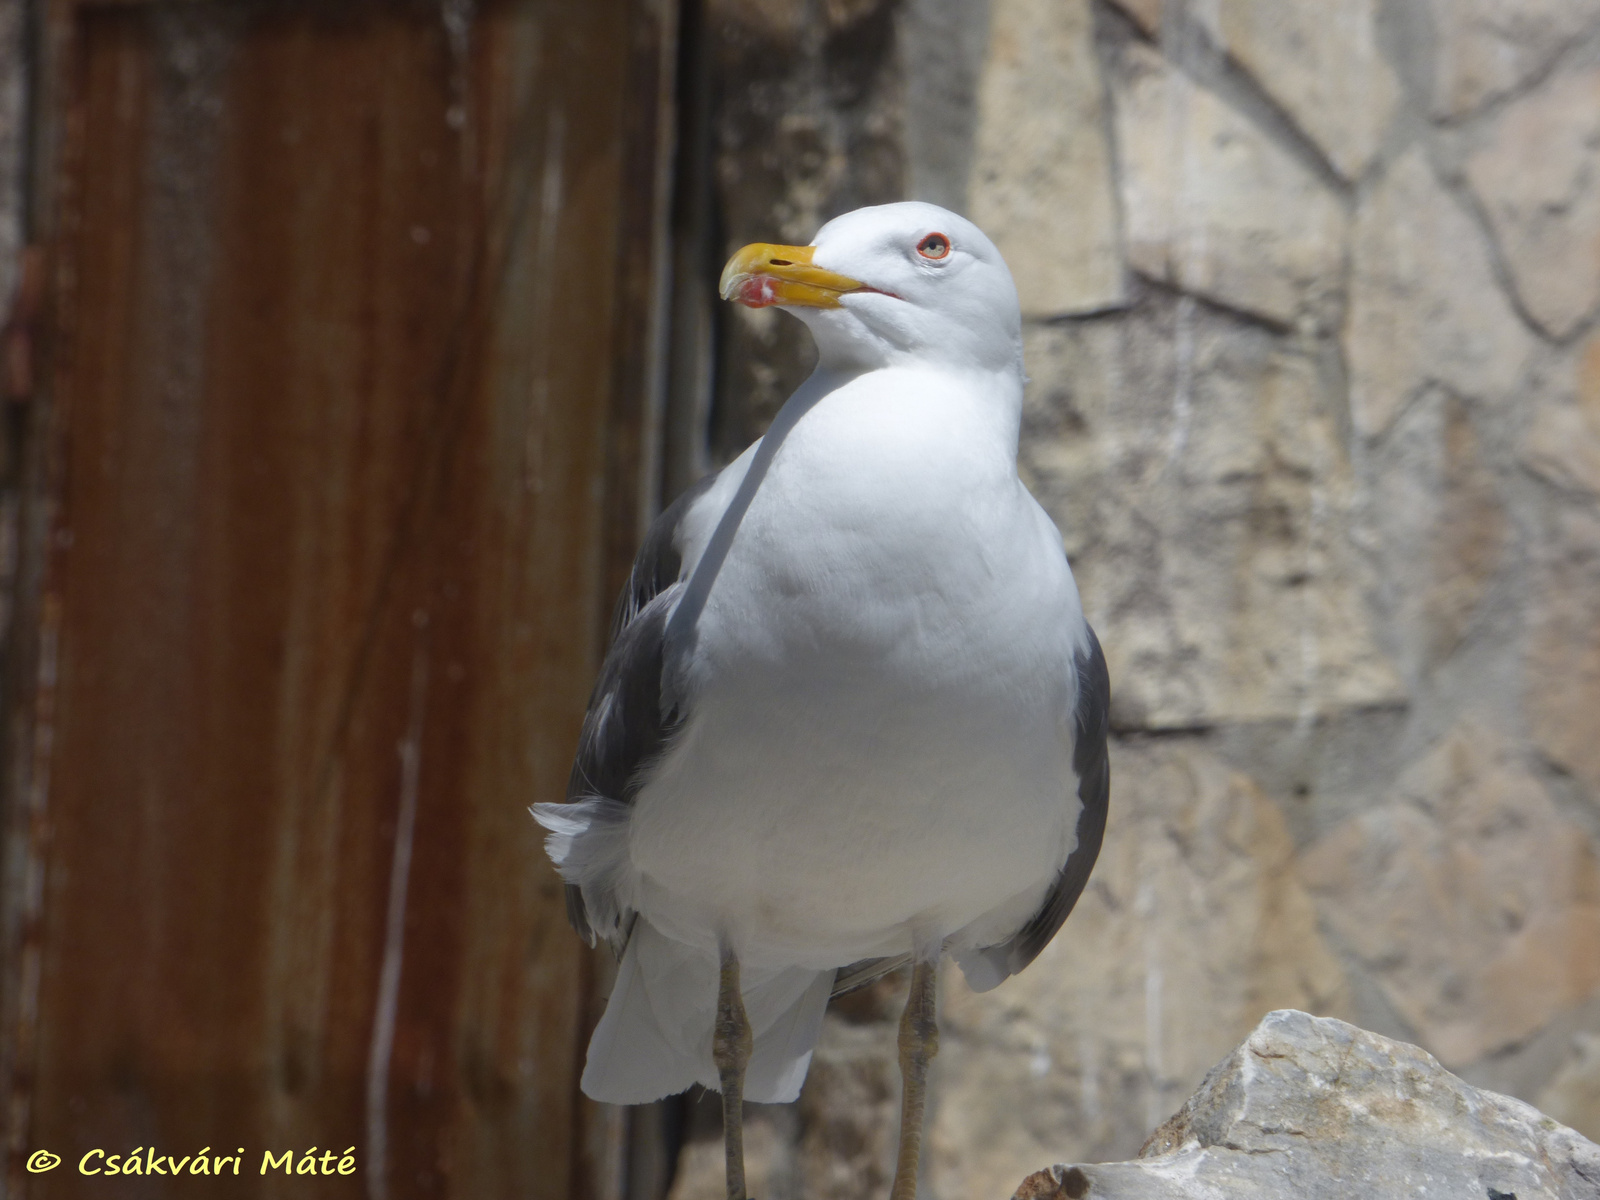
(891, 285)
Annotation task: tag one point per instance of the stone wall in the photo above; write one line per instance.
(1312, 292)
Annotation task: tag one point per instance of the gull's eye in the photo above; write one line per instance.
(934, 246)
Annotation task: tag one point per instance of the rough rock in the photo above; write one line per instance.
(1538, 177)
(1424, 303)
(1042, 186)
(1320, 1110)
(783, 160)
(1213, 205)
(1319, 60)
(1470, 898)
(942, 48)
(1195, 466)
(1194, 924)
(1441, 525)
(1561, 685)
(1487, 48)
(1563, 442)
(1148, 14)
(1573, 1096)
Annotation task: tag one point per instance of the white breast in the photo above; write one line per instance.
(880, 686)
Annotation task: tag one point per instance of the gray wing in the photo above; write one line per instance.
(628, 726)
(867, 970)
(1093, 768)
(659, 562)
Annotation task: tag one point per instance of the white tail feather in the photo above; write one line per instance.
(782, 1054)
(655, 1037)
(588, 843)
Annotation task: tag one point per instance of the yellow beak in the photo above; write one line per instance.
(762, 275)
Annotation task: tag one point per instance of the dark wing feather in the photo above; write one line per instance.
(660, 559)
(627, 725)
(1093, 768)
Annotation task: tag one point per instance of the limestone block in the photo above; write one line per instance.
(807, 124)
(1147, 14)
(1193, 925)
(1442, 528)
(1563, 442)
(1320, 1110)
(1195, 468)
(1561, 689)
(1486, 48)
(1573, 1096)
(1041, 186)
(1319, 60)
(1424, 304)
(1471, 899)
(1538, 177)
(1213, 205)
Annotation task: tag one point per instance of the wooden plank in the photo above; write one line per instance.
(350, 428)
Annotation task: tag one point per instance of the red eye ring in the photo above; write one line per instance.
(935, 246)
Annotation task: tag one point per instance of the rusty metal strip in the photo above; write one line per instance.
(425, 561)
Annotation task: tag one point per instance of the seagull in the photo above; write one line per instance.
(852, 716)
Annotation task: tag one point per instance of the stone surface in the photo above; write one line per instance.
(1042, 186)
(1442, 528)
(1148, 13)
(1469, 897)
(1194, 924)
(1538, 177)
(1424, 304)
(809, 125)
(1561, 685)
(1486, 48)
(942, 47)
(1320, 1110)
(1573, 1096)
(1331, 489)
(1213, 205)
(1563, 442)
(1195, 467)
(1319, 59)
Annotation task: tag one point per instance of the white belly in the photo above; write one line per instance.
(823, 831)
(879, 750)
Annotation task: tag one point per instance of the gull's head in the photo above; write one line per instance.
(890, 285)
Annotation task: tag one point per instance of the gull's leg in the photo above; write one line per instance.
(919, 1042)
(730, 1050)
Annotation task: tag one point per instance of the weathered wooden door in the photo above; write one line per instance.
(342, 437)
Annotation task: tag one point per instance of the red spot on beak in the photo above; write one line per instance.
(758, 291)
